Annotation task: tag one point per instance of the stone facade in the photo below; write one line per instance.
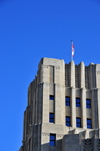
(55, 78)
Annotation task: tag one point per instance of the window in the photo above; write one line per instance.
(51, 97)
(78, 122)
(67, 121)
(88, 103)
(67, 101)
(78, 102)
(89, 125)
(52, 139)
(51, 117)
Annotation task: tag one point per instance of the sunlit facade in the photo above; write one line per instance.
(63, 109)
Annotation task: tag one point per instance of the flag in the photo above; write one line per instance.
(72, 50)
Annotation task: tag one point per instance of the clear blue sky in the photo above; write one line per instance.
(30, 30)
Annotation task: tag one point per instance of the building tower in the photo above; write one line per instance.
(63, 109)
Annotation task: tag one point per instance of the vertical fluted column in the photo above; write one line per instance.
(63, 105)
(72, 85)
(45, 106)
(45, 72)
(40, 96)
(97, 75)
(83, 99)
(73, 108)
(98, 100)
(57, 104)
(72, 74)
(94, 109)
(83, 94)
(82, 75)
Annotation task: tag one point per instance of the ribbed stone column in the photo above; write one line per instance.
(45, 111)
(72, 85)
(94, 109)
(72, 74)
(40, 96)
(63, 105)
(57, 104)
(82, 75)
(98, 99)
(73, 108)
(83, 101)
(97, 75)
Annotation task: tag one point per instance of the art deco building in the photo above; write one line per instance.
(63, 108)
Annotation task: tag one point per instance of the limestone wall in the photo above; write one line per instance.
(61, 80)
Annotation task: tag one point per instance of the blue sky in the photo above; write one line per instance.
(30, 30)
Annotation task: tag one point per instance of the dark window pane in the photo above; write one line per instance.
(89, 121)
(51, 120)
(77, 105)
(89, 125)
(87, 106)
(52, 143)
(51, 115)
(88, 103)
(67, 100)
(67, 124)
(67, 121)
(77, 102)
(52, 139)
(67, 118)
(51, 97)
(78, 122)
(67, 104)
(78, 125)
(78, 99)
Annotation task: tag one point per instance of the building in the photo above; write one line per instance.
(63, 109)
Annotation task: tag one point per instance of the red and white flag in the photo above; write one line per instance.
(72, 50)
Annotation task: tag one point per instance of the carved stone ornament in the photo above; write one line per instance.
(45, 134)
(88, 145)
(45, 66)
(58, 68)
(59, 135)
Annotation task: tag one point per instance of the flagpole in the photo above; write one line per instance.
(71, 49)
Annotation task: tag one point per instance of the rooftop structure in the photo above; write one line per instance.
(63, 108)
